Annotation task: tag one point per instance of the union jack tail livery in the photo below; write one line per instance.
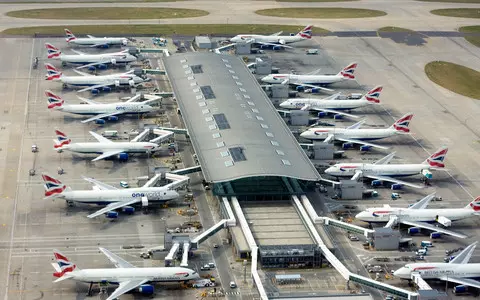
(52, 72)
(54, 101)
(475, 204)
(401, 125)
(70, 35)
(62, 140)
(373, 95)
(53, 52)
(64, 264)
(437, 158)
(53, 187)
(348, 71)
(306, 33)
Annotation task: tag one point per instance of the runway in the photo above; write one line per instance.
(410, 14)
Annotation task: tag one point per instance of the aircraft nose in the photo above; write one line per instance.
(402, 273)
(360, 215)
(329, 170)
(284, 104)
(304, 134)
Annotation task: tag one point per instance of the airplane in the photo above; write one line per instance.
(101, 111)
(126, 275)
(275, 40)
(311, 80)
(332, 105)
(355, 135)
(94, 82)
(106, 147)
(112, 197)
(458, 270)
(92, 41)
(90, 61)
(419, 216)
(381, 170)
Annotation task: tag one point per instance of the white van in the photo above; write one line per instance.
(421, 252)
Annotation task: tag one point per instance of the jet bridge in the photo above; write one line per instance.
(175, 130)
(186, 248)
(366, 281)
(422, 284)
(186, 171)
(171, 254)
(163, 135)
(231, 221)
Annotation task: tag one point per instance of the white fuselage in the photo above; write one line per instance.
(303, 79)
(113, 79)
(95, 58)
(108, 196)
(95, 109)
(125, 274)
(436, 270)
(99, 147)
(392, 170)
(271, 39)
(325, 104)
(382, 214)
(100, 41)
(358, 134)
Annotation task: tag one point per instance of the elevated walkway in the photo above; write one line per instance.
(177, 180)
(186, 248)
(186, 171)
(422, 284)
(163, 135)
(231, 221)
(171, 254)
(163, 94)
(310, 213)
(253, 247)
(175, 130)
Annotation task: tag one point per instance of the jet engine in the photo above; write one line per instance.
(113, 118)
(413, 230)
(128, 209)
(364, 148)
(123, 156)
(146, 289)
(112, 214)
(107, 89)
(100, 121)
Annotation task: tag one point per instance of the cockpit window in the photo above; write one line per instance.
(194, 272)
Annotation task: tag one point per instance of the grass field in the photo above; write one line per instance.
(164, 30)
(452, 1)
(472, 29)
(314, 0)
(458, 12)
(321, 13)
(107, 13)
(456, 78)
(394, 29)
(88, 1)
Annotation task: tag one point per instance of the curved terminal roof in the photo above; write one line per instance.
(234, 127)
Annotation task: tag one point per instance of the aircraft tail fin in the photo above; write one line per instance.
(53, 187)
(64, 265)
(306, 32)
(401, 125)
(70, 35)
(62, 140)
(474, 205)
(54, 100)
(348, 72)
(52, 51)
(436, 159)
(52, 72)
(373, 96)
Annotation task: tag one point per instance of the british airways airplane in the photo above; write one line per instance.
(126, 275)
(92, 41)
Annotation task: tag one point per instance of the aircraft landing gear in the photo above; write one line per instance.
(90, 287)
(64, 86)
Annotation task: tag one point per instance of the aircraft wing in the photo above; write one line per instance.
(99, 184)
(89, 101)
(77, 52)
(360, 142)
(100, 138)
(423, 203)
(277, 33)
(113, 206)
(101, 116)
(126, 286)
(116, 260)
(81, 73)
(273, 44)
(94, 86)
(108, 154)
(90, 36)
(394, 180)
(312, 86)
(432, 228)
(94, 64)
(385, 160)
(356, 125)
(333, 97)
(333, 111)
(464, 256)
(462, 281)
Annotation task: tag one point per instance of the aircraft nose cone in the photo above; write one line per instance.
(401, 273)
(284, 104)
(304, 134)
(329, 170)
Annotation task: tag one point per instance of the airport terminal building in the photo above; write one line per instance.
(246, 151)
